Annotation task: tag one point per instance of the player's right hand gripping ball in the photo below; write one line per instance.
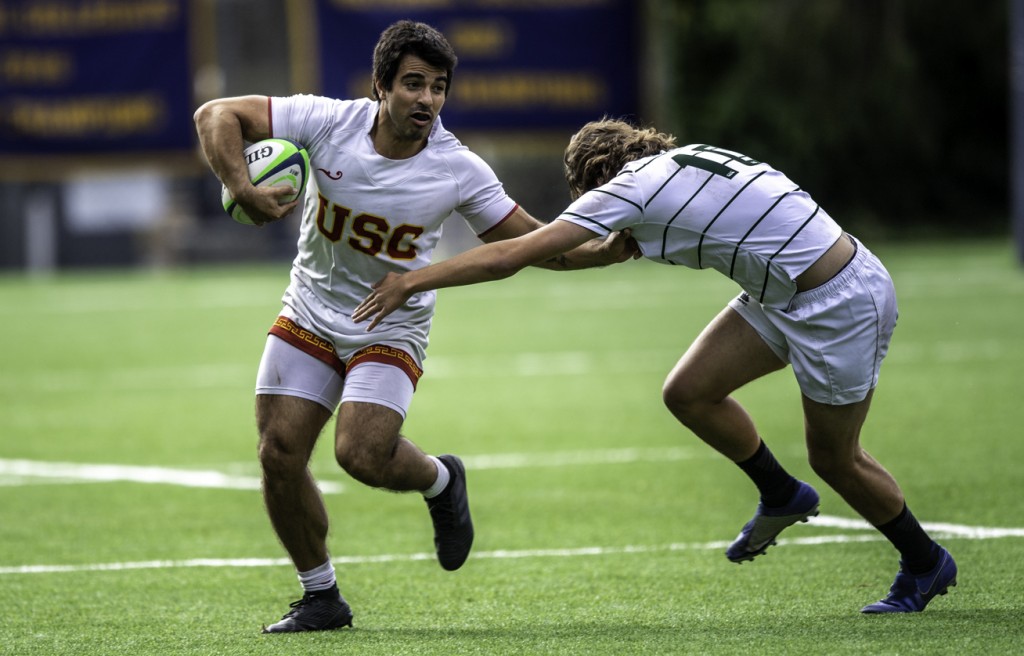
(272, 162)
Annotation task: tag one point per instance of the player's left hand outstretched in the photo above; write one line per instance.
(388, 295)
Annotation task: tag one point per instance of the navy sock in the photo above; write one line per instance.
(918, 552)
(774, 483)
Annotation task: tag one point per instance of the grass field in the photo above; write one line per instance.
(130, 521)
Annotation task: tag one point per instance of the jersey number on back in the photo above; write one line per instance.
(370, 234)
(714, 166)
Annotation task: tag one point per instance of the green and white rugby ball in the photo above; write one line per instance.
(272, 163)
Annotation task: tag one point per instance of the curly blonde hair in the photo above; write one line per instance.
(600, 149)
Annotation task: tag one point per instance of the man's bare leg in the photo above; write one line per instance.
(289, 427)
(370, 448)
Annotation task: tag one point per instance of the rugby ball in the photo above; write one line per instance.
(272, 163)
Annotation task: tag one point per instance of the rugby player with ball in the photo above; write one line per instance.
(384, 174)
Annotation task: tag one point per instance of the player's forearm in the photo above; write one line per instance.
(582, 257)
(501, 259)
(597, 252)
(220, 136)
(481, 264)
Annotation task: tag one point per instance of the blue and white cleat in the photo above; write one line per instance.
(760, 532)
(910, 593)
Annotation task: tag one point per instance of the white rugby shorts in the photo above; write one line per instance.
(318, 354)
(835, 336)
(289, 370)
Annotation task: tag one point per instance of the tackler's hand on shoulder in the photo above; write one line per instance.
(617, 247)
(623, 246)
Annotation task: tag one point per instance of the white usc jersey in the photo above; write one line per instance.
(703, 207)
(366, 215)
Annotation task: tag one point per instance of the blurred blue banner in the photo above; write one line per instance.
(94, 76)
(523, 64)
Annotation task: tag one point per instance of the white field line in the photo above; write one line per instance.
(938, 529)
(942, 531)
(26, 472)
(20, 472)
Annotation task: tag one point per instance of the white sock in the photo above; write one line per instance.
(319, 578)
(443, 476)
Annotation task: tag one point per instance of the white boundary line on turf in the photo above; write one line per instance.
(22, 472)
(26, 472)
(939, 530)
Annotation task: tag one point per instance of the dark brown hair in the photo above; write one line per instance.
(600, 149)
(410, 38)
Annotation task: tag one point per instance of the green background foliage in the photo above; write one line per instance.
(893, 114)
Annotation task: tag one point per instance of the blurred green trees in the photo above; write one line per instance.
(892, 113)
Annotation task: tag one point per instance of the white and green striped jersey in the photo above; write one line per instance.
(707, 208)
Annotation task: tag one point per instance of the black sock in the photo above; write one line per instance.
(774, 483)
(918, 552)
